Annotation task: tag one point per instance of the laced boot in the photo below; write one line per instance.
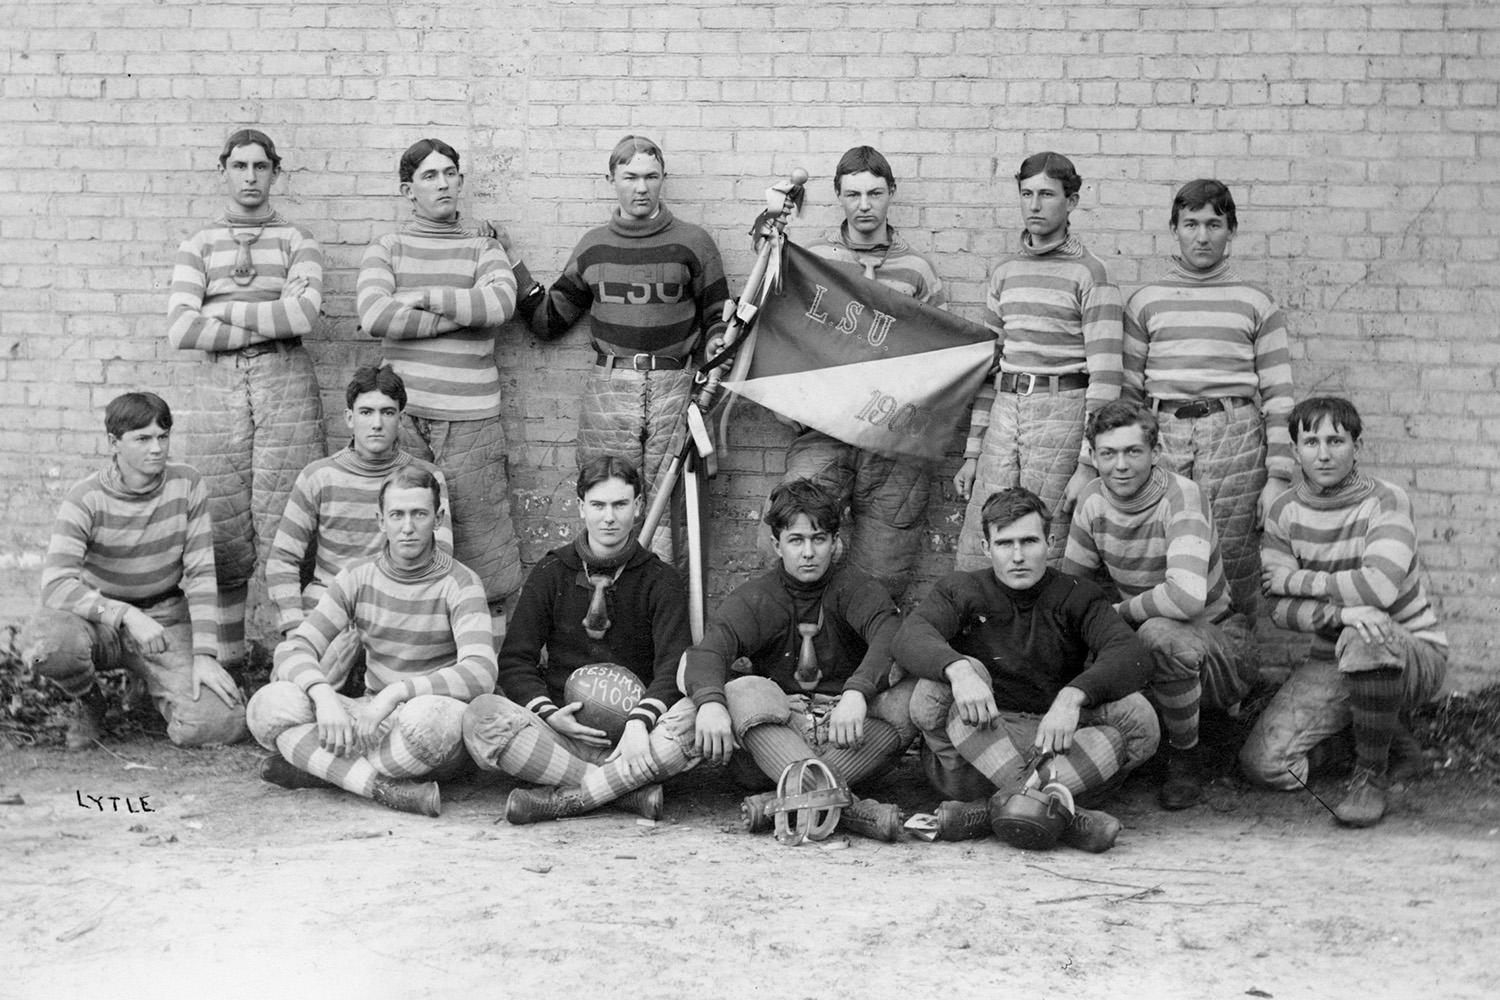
(646, 801)
(279, 771)
(1092, 830)
(963, 820)
(419, 797)
(86, 724)
(532, 805)
(756, 814)
(1364, 803)
(872, 819)
(1185, 778)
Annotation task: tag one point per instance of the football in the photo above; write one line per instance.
(608, 693)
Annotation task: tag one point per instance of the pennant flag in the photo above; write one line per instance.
(862, 362)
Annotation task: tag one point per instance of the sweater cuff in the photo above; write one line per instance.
(648, 711)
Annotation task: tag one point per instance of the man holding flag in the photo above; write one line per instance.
(834, 358)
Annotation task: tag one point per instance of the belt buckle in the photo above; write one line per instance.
(1030, 383)
(642, 362)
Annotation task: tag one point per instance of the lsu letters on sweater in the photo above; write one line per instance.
(650, 286)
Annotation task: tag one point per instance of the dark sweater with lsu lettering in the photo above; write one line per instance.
(650, 286)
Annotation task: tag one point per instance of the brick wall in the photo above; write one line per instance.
(1360, 139)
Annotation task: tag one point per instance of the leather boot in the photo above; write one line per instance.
(281, 772)
(86, 726)
(532, 805)
(869, 818)
(419, 797)
(963, 820)
(646, 802)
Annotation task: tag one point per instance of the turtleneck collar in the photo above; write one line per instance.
(1068, 246)
(353, 461)
(593, 564)
(1355, 488)
(239, 220)
(1183, 271)
(799, 589)
(423, 226)
(1148, 496)
(437, 566)
(1028, 597)
(634, 229)
(113, 483)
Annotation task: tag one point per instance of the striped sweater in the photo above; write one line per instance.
(333, 511)
(466, 280)
(650, 286)
(1352, 546)
(1209, 335)
(1159, 547)
(1053, 312)
(427, 630)
(895, 264)
(113, 548)
(209, 311)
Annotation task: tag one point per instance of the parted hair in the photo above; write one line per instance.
(1195, 194)
(802, 496)
(383, 380)
(626, 149)
(859, 160)
(1307, 414)
(1053, 165)
(412, 477)
(1119, 413)
(1009, 506)
(250, 137)
(134, 410)
(419, 151)
(597, 470)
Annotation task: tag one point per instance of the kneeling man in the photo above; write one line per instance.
(426, 632)
(129, 581)
(818, 640)
(1019, 661)
(1340, 561)
(602, 599)
(1153, 532)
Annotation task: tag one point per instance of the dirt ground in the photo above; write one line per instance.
(233, 888)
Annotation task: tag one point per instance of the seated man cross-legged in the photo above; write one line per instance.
(426, 632)
(1019, 661)
(602, 599)
(818, 640)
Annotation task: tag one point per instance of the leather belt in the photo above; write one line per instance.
(1025, 383)
(639, 362)
(266, 347)
(1192, 409)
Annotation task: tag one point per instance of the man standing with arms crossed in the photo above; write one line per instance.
(1056, 320)
(245, 291)
(435, 291)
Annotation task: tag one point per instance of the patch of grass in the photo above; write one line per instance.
(1465, 730)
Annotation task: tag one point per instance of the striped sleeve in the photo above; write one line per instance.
(1300, 614)
(297, 255)
(63, 584)
(1134, 347)
(490, 301)
(468, 620)
(294, 535)
(1380, 557)
(1273, 371)
(1182, 594)
(1081, 555)
(1103, 336)
(188, 327)
(379, 313)
(297, 658)
(199, 582)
